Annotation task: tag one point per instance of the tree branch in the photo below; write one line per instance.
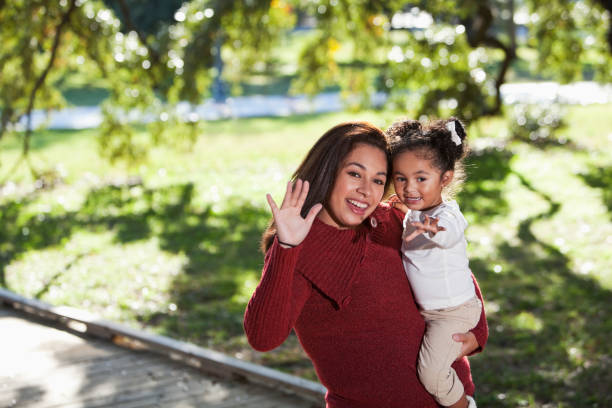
(607, 4)
(125, 10)
(477, 34)
(509, 56)
(43, 76)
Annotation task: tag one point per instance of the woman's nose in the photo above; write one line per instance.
(364, 188)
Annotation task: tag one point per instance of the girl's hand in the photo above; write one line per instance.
(470, 344)
(430, 225)
(291, 228)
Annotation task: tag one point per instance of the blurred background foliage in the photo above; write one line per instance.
(439, 57)
(153, 218)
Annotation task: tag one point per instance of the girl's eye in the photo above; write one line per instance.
(379, 181)
(421, 179)
(354, 174)
(400, 179)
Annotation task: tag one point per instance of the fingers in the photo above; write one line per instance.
(296, 192)
(272, 205)
(400, 206)
(313, 213)
(469, 343)
(418, 225)
(430, 224)
(303, 194)
(288, 192)
(393, 199)
(434, 224)
(461, 338)
(413, 235)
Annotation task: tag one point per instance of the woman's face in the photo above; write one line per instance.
(359, 187)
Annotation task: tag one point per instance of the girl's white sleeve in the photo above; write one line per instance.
(453, 222)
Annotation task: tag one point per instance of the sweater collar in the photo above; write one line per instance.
(331, 258)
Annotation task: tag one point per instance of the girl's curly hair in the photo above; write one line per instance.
(434, 141)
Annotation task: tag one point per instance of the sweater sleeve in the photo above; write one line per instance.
(389, 230)
(277, 301)
(481, 331)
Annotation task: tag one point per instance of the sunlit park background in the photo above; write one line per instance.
(138, 139)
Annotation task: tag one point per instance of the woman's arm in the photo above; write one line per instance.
(281, 293)
(481, 331)
(277, 300)
(475, 340)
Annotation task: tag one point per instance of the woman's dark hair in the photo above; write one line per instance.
(435, 141)
(320, 166)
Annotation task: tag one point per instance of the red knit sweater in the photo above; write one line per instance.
(346, 295)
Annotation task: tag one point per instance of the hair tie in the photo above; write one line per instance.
(454, 136)
(285, 243)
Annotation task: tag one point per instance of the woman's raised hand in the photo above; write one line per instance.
(291, 228)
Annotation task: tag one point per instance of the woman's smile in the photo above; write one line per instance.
(359, 187)
(358, 206)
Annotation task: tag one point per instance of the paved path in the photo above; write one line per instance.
(43, 366)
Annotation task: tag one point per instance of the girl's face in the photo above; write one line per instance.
(417, 182)
(359, 187)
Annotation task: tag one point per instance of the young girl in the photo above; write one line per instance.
(426, 159)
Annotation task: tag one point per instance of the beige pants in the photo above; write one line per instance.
(439, 350)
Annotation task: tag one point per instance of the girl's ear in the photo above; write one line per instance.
(447, 177)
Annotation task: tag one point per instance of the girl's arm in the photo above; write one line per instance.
(277, 300)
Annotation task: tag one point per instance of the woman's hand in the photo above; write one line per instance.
(291, 228)
(470, 344)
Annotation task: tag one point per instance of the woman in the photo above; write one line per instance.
(333, 273)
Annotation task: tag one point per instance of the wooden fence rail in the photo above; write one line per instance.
(206, 360)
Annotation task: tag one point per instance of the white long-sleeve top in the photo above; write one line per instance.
(437, 266)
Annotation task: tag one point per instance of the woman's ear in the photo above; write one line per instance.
(447, 177)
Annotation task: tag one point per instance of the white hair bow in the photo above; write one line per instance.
(454, 136)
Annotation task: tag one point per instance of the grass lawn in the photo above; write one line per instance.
(172, 245)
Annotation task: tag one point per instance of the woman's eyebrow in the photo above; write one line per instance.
(361, 166)
(356, 164)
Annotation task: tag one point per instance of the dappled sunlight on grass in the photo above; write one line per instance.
(176, 248)
(78, 274)
(541, 305)
(486, 171)
(600, 178)
(527, 321)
